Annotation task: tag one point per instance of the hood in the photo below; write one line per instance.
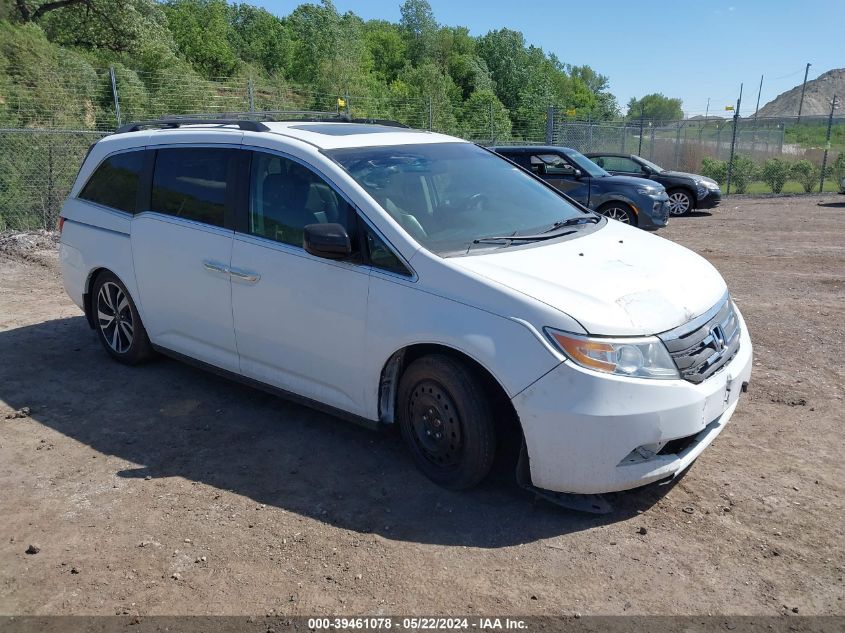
(628, 181)
(682, 174)
(616, 280)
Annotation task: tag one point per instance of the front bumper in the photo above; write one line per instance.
(588, 432)
(710, 201)
(652, 211)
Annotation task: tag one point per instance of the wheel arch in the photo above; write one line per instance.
(396, 364)
(619, 199)
(87, 299)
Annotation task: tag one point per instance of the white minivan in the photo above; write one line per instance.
(396, 276)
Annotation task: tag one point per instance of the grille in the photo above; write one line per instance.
(706, 344)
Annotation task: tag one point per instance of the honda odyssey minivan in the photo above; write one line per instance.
(401, 277)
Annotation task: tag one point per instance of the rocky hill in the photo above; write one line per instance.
(816, 99)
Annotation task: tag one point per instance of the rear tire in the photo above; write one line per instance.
(117, 321)
(446, 421)
(618, 211)
(680, 202)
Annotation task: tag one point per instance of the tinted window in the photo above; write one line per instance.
(618, 163)
(192, 183)
(382, 256)
(115, 182)
(285, 196)
(445, 195)
(551, 164)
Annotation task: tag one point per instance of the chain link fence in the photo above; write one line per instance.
(44, 134)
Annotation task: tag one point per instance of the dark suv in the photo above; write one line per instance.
(636, 201)
(686, 191)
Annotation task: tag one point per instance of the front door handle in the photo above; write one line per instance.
(246, 276)
(215, 267)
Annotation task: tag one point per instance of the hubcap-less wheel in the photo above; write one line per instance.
(679, 203)
(436, 425)
(115, 317)
(616, 213)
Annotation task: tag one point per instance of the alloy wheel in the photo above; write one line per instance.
(679, 203)
(114, 316)
(617, 213)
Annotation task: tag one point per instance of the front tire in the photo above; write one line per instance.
(618, 211)
(680, 202)
(446, 421)
(117, 321)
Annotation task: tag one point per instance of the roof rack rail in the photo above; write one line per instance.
(304, 116)
(252, 121)
(244, 124)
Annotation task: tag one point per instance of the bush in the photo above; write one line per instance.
(715, 169)
(744, 172)
(807, 174)
(775, 173)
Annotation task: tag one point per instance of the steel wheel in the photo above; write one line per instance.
(679, 203)
(616, 213)
(436, 424)
(114, 317)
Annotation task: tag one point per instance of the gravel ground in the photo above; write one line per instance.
(167, 490)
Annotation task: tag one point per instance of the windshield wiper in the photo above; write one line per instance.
(492, 239)
(572, 221)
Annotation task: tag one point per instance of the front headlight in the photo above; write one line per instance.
(641, 357)
(648, 191)
(709, 184)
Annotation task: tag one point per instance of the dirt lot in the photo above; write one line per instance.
(167, 490)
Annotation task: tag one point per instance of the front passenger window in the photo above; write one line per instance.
(285, 196)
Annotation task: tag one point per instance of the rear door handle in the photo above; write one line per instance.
(246, 276)
(215, 267)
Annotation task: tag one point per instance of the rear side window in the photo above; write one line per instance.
(195, 183)
(115, 182)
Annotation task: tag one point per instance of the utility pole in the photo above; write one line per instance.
(803, 88)
(833, 106)
(759, 90)
(642, 114)
(733, 143)
(707, 111)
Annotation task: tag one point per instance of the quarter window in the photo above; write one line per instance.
(194, 183)
(619, 163)
(381, 255)
(285, 196)
(115, 182)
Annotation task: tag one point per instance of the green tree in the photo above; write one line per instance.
(386, 48)
(483, 116)
(259, 37)
(315, 32)
(715, 169)
(775, 173)
(807, 174)
(655, 107)
(419, 28)
(743, 173)
(201, 29)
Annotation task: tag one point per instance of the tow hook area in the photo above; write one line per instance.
(591, 504)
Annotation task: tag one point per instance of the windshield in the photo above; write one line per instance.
(653, 166)
(446, 195)
(585, 164)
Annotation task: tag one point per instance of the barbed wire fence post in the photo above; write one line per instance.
(733, 142)
(114, 93)
(833, 106)
(250, 92)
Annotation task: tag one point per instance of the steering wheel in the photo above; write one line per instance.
(476, 201)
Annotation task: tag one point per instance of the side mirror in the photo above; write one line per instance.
(330, 241)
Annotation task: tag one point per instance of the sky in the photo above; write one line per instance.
(688, 49)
